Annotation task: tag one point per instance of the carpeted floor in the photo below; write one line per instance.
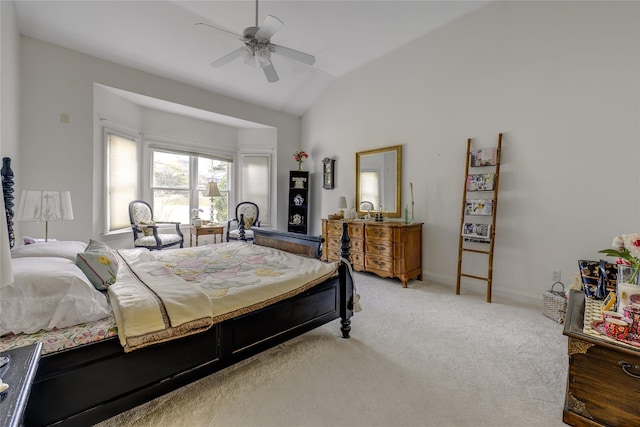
(421, 356)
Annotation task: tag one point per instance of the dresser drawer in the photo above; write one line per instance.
(333, 242)
(356, 231)
(334, 228)
(357, 258)
(379, 248)
(599, 388)
(379, 232)
(357, 245)
(381, 265)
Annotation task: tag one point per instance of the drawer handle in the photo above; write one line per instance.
(630, 369)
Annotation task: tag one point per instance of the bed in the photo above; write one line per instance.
(94, 380)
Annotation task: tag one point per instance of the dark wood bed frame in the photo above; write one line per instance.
(87, 384)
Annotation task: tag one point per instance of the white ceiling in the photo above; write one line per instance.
(161, 38)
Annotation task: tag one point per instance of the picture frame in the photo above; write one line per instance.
(328, 173)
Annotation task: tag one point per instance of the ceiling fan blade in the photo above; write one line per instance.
(269, 27)
(270, 72)
(294, 54)
(228, 57)
(227, 32)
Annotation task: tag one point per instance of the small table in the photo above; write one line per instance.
(19, 373)
(206, 230)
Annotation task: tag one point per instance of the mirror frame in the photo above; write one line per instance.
(396, 212)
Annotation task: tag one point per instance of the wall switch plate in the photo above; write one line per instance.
(556, 275)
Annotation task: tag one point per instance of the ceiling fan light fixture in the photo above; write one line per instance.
(264, 57)
(248, 54)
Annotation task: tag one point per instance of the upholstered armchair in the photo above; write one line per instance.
(145, 228)
(248, 213)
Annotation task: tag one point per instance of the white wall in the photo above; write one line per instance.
(9, 83)
(55, 80)
(560, 79)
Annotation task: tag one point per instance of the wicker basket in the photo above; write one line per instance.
(555, 303)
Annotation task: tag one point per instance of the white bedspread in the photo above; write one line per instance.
(166, 294)
(153, 305)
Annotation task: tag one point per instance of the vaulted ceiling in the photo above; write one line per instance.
(160, 37)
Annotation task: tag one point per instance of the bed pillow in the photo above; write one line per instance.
(59, 249)
(47, 293)
(99, 263)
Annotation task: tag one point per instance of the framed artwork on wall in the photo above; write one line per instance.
(328, 173)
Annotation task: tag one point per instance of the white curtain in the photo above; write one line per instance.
(6, 274)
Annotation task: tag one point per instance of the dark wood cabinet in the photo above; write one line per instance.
(604, 376)
(388, 249)
(298, 202)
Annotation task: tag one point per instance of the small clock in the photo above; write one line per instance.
(328, 173)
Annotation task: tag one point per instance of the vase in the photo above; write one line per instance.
(627, 274)
(299, 166)
(627, 289)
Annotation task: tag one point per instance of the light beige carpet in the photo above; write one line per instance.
(421, 356)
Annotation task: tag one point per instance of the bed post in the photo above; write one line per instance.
(7, 194)
(346, 283)
(241, 235)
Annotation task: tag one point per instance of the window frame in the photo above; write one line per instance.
(194, 153)
(106, 131)
(269, 211)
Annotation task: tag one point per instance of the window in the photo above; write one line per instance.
(178, 183)
(122, 178)
(256, 184)
(215, 209)
(370, 187)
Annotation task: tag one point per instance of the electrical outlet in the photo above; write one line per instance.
(555, 275)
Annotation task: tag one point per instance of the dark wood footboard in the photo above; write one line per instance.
(88, 384)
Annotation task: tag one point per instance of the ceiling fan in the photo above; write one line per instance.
(258, 48)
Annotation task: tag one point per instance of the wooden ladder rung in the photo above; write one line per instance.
(475, 277)
(478, 251)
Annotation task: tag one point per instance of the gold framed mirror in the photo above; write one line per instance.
(379, 180)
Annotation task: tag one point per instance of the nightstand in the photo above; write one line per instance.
(19, 373)
(206, 230)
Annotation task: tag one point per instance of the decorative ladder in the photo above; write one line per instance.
(464, 241)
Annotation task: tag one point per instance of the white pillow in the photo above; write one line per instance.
(48, 293)
(64, 249)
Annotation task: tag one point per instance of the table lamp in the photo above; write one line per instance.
(212, 191)
(342, 204)
(42, 205)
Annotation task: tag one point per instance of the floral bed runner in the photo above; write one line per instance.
(61, 339)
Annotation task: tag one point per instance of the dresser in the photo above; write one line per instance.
(604, 376)
(388, 249)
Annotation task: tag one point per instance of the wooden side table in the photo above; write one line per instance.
(19, 373)
(206, 230)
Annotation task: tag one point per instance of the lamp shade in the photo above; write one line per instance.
(42, 205)
(342, 202)
(212, 190)
(6, 275)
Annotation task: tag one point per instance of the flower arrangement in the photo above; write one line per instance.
(300, 156)
(196, 212)
(627, 248)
